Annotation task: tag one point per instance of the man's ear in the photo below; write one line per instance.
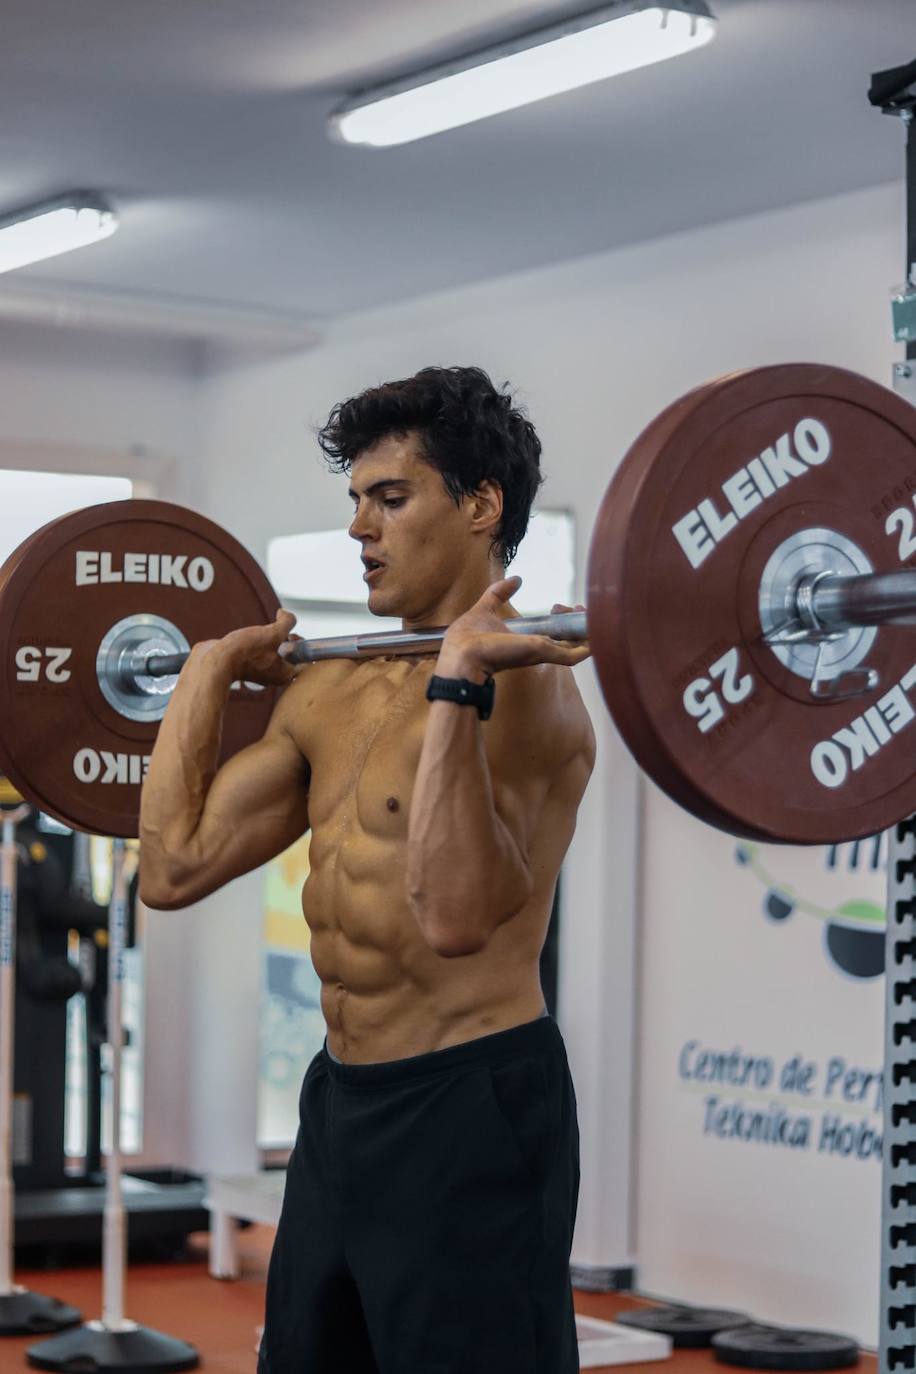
(487, 506)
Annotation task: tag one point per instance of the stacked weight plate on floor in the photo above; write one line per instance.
(690, 1328)
(737, 1340)
(75, 596)
(728, 498)
(784, 1348)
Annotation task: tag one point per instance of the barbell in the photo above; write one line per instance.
(751, 567)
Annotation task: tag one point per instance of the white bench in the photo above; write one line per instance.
(241, 1197)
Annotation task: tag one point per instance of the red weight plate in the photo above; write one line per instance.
(702, 508)
(62, 743)
(622, 694)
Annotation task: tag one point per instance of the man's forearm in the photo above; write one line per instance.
(183, 763)
(465, 874)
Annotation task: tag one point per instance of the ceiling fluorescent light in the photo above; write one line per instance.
(56, 226)
(603, 43)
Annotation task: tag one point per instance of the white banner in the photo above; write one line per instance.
(760, 1043)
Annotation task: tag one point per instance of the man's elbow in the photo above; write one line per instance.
(456, 929)
(449, 945)
(161, 898)
(157, 900)
(161, 887)
(444, 928)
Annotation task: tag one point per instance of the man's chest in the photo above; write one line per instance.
(363, 743)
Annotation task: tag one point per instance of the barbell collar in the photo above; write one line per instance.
(564, 625)
(840, 602)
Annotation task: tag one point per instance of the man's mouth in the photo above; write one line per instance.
(373, 569)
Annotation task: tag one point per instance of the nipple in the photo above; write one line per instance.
(393, 804)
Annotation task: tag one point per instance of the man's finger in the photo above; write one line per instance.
(560, 650)
(570, 654)
(505, 589)
(558, 607)
(283, 623)
(573, 660)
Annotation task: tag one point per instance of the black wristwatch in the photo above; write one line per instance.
(463, 693)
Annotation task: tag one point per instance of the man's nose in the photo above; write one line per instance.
(360, 525)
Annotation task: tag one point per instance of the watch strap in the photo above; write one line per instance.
(463, 693)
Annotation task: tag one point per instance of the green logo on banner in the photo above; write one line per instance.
(853, 926)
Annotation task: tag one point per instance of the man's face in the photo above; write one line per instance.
(406, 521)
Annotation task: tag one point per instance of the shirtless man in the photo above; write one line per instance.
(431, 1192)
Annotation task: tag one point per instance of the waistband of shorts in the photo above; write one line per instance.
(533, 1037)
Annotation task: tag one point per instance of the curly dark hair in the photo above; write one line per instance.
(467, 429)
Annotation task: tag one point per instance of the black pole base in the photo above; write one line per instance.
(30, 1314)
(94, 1349)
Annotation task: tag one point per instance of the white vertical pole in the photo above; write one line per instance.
(7, 1005)
(114, 1236)
(599, 905)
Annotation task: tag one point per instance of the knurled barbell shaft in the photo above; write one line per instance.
(839, 602)
(563, 625)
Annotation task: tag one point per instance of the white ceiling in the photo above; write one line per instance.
(203, 120)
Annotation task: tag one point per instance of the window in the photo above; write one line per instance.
(29, 500)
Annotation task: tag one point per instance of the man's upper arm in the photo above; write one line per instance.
(257, 806)
(542, 744)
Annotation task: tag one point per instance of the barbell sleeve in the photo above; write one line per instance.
(839, 602)
(564, 625)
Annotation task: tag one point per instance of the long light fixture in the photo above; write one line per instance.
(617, 38)
(54, 226)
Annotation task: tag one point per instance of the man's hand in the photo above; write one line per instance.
(252, 654)
(478, 642)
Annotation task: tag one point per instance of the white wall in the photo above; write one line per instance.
(595, 347)
(127, 395)
(759, 1186)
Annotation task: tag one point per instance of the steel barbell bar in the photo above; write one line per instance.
(826, 601)
(564, 625)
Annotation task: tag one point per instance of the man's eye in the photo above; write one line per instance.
(394, 501)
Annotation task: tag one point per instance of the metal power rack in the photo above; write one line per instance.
(898, 1180)
(894, 92)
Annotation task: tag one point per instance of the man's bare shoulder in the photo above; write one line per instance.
(540, 711)
(315, 687)
(315, 680)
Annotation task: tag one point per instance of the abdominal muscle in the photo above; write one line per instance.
(385, 993)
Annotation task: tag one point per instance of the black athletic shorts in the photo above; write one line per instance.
(428, 1215)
